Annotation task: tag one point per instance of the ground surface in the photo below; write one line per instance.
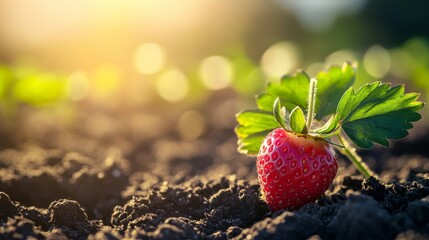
(129, 176)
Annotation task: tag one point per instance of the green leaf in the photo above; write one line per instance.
(331, 85)
(297, 120)
(293, 90)
(253, 126)
(375, 113)
(330, 126)
(250, 145)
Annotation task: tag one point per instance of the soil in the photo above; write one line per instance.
(114, 175)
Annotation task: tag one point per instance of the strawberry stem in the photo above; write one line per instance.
(350, 153)
(311, 102)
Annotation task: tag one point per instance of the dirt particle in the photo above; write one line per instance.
(67, 213)
(417, 210)
(351, 182)
(361, 218)
(233, 231)
(56, 234)
(7, 208)
(287, 225)
(373, 187)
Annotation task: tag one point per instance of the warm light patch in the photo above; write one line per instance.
(149, 58)
(314, 69)
(377, 61)
(191, 125)
(78, 86)
(172, 85)
(216, 72)
(279, 59)
(107, 81)
(339, 57)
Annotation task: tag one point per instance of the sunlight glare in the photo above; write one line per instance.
(107, 81)
(216, 72)
(279, 59)
(149, 58)
(172, 85)
(377, 61)
(339, 57)
(78, 86)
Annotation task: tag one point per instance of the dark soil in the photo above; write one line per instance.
(117, 176)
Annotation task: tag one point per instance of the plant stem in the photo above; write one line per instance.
(311, 102)
(351, 154)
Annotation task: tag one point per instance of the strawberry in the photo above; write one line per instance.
(294, 169)
(296, 163)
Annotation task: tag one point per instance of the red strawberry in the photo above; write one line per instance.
(294, 169)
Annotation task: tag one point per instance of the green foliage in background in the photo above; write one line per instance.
(412, 61)
(30, 86)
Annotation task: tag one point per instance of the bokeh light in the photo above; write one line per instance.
(191, 125)
(172, 85)
(377, 61)
(149, 58)
(280, 59)
(401, 62)
(106, 82)
(216, 72)
(39, 89)
(315, 68)
(339, 57)
(78, 86)
(132, 54)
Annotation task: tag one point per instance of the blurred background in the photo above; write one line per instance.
(129, 74)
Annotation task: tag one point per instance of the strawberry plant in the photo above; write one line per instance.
(300, 121)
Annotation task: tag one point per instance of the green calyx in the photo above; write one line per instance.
(373, 114)
(297, 121)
